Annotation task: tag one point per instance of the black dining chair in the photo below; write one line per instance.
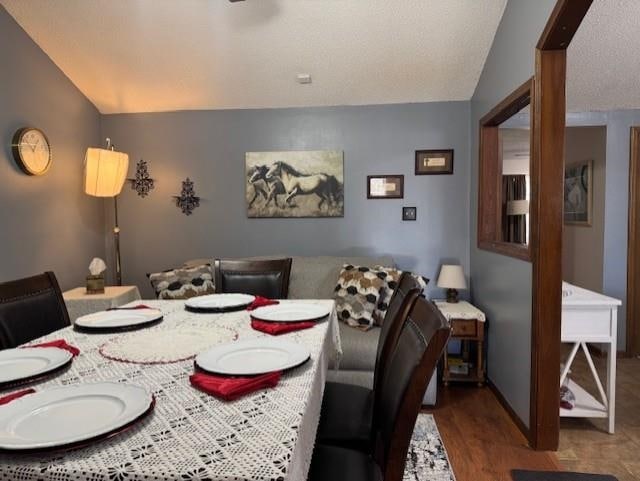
(266, 278)
(347, 410)
(30, 308)
(422, 340)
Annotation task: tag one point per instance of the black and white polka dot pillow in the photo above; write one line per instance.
(183, 282)
(390, 276)
(357, 294)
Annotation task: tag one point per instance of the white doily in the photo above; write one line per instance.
(162, 346)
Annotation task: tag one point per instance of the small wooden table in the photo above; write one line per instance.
(467, 325)
(79, 303)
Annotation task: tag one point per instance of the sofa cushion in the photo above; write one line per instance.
(315, 277)
(183, 282)
(359, 348)
(357, 294)
(391, 276)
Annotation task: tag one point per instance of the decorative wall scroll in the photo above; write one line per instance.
(142, 183)
(187, 201)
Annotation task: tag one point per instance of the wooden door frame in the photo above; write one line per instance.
(549, 122)
(633, 248)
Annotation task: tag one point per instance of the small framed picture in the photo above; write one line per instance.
(409, 213)
(434, 162)
(578, 193)
(385, 186)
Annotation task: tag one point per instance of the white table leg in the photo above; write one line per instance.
(611, 371)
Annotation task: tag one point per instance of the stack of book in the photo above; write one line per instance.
(458, 366)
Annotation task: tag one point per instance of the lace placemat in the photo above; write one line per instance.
(163, 346)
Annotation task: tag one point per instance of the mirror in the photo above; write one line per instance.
(515, 153)
(505, 176)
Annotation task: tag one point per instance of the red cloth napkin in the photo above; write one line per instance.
(260, 301)
(231, 388)
(15, 395)
(277, 328)
(60, 344)
(131, 308)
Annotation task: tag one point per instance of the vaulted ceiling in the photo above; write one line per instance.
(603, 60)
(159, 55)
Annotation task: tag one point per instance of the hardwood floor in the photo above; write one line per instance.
(586, 446)
(482, 441)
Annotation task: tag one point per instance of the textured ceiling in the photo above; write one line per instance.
(603, 60)
(158, 55)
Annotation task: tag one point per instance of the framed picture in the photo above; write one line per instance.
(385, 186)
(409, 213)
(434, 162)
(578, 193)
(294, 184)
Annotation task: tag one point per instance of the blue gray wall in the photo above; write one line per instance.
(616, 203)
(47, 222)
(209, 147)
(501, 285)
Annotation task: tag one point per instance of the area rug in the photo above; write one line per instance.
(427, 459)
(521, 475)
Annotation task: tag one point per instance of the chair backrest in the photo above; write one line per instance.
(30, 308)
(407, 290)
(267, 278)
(422, 340)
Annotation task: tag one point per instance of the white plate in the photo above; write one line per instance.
(291, 312)
(70, 414)
(118, 319)
(251, 357)
(219, 302)
(29, 362)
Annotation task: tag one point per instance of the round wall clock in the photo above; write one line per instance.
(31, 151)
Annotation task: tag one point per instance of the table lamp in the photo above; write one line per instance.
(105, 171)
(452, 278)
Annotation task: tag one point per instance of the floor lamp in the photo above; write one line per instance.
(105, 171)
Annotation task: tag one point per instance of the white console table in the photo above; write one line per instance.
(589, 317)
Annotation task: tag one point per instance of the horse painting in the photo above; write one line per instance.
(269, 189)
(295, 184)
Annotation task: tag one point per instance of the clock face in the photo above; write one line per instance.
(31, 151)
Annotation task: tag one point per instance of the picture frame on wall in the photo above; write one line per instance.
(294, 184)
(578, 193)
(434, 162)
(385, 186)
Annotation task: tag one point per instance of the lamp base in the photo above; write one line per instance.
(452, 296)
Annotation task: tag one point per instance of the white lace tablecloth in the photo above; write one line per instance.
(268, 435)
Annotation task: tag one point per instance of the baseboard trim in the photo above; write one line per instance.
(507, 407)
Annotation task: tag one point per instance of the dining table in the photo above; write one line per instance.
(191, 435)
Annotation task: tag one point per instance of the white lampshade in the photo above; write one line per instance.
(452, 277)
(104, 172)
(517, 207)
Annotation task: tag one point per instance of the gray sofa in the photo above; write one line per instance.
(316, 278)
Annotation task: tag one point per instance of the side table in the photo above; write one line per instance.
(79, 303)
(467, 325)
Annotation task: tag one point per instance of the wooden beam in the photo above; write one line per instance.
(546, 233)
(563, 23)
(633, 256)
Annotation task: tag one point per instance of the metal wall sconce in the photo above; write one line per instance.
(187, 201)
(142, 183)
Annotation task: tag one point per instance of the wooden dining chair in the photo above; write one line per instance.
(30, 308)
(267, 278)
(413, 361)
(347, 410)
